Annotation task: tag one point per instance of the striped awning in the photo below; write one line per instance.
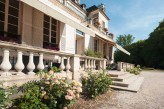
(48, 8)
(122, 49)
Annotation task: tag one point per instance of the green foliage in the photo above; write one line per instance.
(136, 70)
(51, 92)
(95, 83)
(136, 56)
(55, 69)
(93, 54)
(148, 52)
(124, 40)
(4, 96)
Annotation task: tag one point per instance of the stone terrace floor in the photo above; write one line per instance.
(150, 95)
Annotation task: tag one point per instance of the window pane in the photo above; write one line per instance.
(53, 40)
(12, 29)
(13, 11)
(46, 31)
(2, 16)
(46, 38)
(2, 1)
(46, 18)
(2, 7)
(46, 25)
(1, 26)
(53, 27)
(53, 45)
(13, 20)
(53, 34)
(54, 22)
(14, 3)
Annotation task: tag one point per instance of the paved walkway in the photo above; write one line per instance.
(150, 95)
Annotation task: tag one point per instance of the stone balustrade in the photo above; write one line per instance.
(123, 66)
(15, 73)
(19, 63)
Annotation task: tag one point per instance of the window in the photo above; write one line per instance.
(104, 49)
(49, 32)
(2, 14)
(96, 45)
(9, 18)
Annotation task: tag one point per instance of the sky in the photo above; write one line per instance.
(136, 17)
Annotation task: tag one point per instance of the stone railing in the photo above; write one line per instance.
(26, 61)
(19, 63)
(122, 66)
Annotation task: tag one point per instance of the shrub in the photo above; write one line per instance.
(4, 96)
(93, 54)
(51, 92)
(89, 53)
(95, 83)
(136, 70)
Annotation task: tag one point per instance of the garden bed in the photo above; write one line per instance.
(84, 103)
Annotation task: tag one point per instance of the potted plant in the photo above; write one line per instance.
(97, 23)
(105, 29)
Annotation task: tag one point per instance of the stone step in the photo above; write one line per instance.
(122, 77)
(134, 86)
(116, 73)
(125, 82)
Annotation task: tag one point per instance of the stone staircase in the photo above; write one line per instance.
(125, 81)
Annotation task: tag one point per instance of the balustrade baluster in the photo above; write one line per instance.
(5, 65)
(68, 65)
(19, 66)
(62, 66)
(31, 65)
(40, 65)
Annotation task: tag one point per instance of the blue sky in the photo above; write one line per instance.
(136, 17)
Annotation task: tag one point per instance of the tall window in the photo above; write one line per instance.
(104, 49)
(2, 14)
(9, 17)
(95, 45)
(103, 24)
(13, 15)
(49, 32)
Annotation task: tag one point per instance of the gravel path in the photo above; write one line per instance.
(150, 95)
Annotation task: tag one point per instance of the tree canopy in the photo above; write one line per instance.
(125, 40)
(149, 52)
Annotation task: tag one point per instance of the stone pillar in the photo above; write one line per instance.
(19, 66)
(104, 64)
(40, 65)
(31, 65)
(6, 65)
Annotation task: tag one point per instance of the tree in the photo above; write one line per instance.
(125, 40)
(154, 48)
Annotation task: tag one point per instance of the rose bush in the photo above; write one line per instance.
(51, 92)
(95, 83)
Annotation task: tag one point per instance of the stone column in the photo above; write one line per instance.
(31, 65)
(19, 66)
(6, 65)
